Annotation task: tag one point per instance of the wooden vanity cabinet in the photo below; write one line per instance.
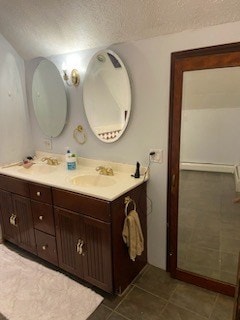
(80, 234)
(89, 238)
(16, 214)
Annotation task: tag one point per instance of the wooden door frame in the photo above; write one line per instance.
(221, 56)
(236, 309)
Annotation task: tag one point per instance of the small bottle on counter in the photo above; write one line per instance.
(71, 160)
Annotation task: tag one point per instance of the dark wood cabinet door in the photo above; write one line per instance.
(24, 220)
(84, 247)
(9, 229)
(69, 237)
(96, 254)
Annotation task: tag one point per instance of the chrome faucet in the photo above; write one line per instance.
(51, 161)
(105, 171)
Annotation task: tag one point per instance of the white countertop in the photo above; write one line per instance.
(58, 176)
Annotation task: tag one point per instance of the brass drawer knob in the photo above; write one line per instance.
(45, 247)
(38, 193)
(40, 218)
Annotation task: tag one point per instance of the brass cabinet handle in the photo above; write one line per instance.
(40, 217)
(79, 248)
(13, 219)
(38, 193)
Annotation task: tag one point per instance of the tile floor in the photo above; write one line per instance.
(209, 225)
(156, 296)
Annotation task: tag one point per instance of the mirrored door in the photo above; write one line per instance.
(204, 220)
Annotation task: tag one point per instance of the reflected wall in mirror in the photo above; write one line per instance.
(107, 96)
(49, 98)
(204, 154)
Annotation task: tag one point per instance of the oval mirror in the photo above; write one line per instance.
(49, 98)
(107, 96)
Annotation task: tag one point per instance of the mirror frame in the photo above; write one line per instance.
(197, 59)
(92, 61)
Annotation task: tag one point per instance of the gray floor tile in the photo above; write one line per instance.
(229, 262)
(184, 234)
(199, 269)
(228, 277)
(158, 282)
(203, 257)
(112, 301)
(216, 225)
(172, 312)
(205, 240)
(195, 299)
(223, 308)
(117, 316)
(230, 230)
(101, 313)
(141, 305)
(230, 245)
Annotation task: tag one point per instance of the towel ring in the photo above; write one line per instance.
(128, 200)
(79, 130)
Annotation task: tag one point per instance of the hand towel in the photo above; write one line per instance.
(132, 235)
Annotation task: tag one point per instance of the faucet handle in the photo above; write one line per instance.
(45, 159)
(105, 171)
(50, 161)
(55, 161)
(109, 171)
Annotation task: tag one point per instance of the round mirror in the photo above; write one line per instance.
(49, 98)
(107, 96)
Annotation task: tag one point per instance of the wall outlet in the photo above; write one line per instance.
(47, 144)
(157, 157)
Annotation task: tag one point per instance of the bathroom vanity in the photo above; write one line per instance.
(78, 232)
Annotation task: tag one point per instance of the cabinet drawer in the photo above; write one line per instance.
(14, 185)
(46, 247)
(40, 193)
(96, 208)
(43, 217)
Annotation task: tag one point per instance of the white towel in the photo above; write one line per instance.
(132, 235)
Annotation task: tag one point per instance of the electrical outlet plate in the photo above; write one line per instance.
(47, 144)
(157, 157)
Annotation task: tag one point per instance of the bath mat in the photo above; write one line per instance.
(2, 317)
(31, 291)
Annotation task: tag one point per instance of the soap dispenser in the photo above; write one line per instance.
(71, 160)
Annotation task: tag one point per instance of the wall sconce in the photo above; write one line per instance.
(74, 77)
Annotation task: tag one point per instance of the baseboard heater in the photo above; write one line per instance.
(209, 167)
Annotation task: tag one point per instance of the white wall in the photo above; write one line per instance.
(14, 120)
(210, 127)
(148, 64)
(211, 136)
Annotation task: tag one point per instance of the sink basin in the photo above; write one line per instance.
(93, 181)
(38, 169)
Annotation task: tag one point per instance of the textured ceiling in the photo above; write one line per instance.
(49, 27)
